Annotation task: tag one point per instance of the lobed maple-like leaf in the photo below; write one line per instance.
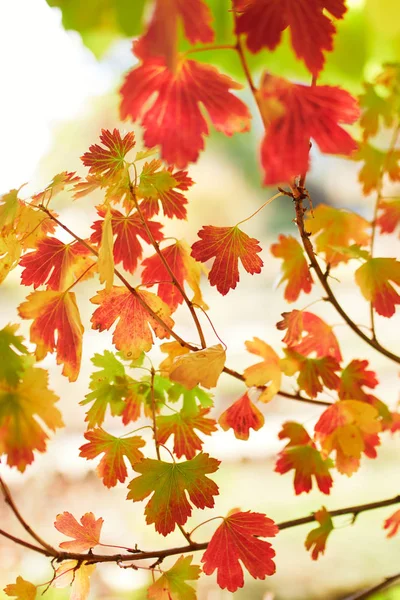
(373, 279)
(242, 416)
(227, 245)
(182, 425)
(112, 467)
(376, 110)
(297, 113)
(141, 394)
(172, 583)
(311, 30)
(318, 338)
(170, 485)
(21, 589)
(132, 335)
(350, 427)
(127, 230)
(85, 535)
(295, 268)
(265, 373)
(159, 186)
(23, 409)
(58, 184)
(301, 455)
(10, 252)
(12, 352)
(335, 228)
(392, 524)
(352, 380)
(314, 373)
(202, 367)
(377, 163)
(190, 398)
(109, 159)
(55, 264)
(55, 312)
(168, 105)
(76, 575)
(317, 538)
(389, 217)
(184, 268)
(234, 540)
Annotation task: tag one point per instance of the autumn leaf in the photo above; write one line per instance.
(184, 268)
(181, 425)
(12, 352)
(376, 111)
(142, 394)
(190, 398)
(334, 228)
(227, 245)
(127, 230)
(236, 540)
(172, 583)
(132, 335)
(21, 589)
(55, 312)
(392, 524)
(318, 338)
(170, 485)
(9, 206)
(311, 30)
(10, 252)
(85, 535)
(389, 219)
(105, 262)
(265, 373)
(112, 467)
(242, 416)
(168, 106)
(314, 373)
(295, 268)
(301, 455)
(24, 407)
(375, 164)
(33, 225)
(173, 350)
(58, 184)
(352, 380)
(203, 367)
(159, 186)
(74, 574)
(109, 159)
(54, 264)
(374, 278)
(350, 427)
(317, 538)
(297, 113)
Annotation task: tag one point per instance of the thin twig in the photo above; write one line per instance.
(363, 595)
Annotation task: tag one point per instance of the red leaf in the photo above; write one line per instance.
(228, 245)
(295, 268)
(301, 454)
(172, 201)
(173, 119)
(374, 278)
(54, 263)
(86, 535)
(108, 161)
(235, 540)
(389, 218)
(112, 467)
(132, 334)
(182, 425)
(298, 113)
(263, 21)
(314, 373)
(127, 229)
(55, 312)
(352, 380)
(392, 524)
(242, 416)
(318, 338)
(319, 536)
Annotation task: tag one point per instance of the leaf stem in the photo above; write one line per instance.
(261, 207)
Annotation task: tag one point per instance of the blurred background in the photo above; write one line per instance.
(60, 74)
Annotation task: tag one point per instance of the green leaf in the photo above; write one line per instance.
(154, 182)
(190, 396)
(12, 364)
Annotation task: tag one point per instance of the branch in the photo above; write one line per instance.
(389, 581)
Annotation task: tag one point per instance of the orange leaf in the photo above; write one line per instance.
(352, 380)
(227, 245)
(314, 373)
(203, 367)
(171, 200)
(374, 278)
(55, 312)
(392, 524)
(109, 160)
(266, 373)
(318, 338)
(173, 349)
(86, 535)
(389, 218)
(318, 537)
(112, 467)
(172, 583)
(295, 268)
(376, 164)
(182, 425)
(236, 540)
(132, 334)
(242, 416)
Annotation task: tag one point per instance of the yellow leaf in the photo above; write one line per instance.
(21, 589)
(106, 255)
(173, 349)
(203, 367)
(10, 250)
(194, 271)
(68, 574)
(266, 372)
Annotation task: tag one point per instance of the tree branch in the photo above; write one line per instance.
(363, 595)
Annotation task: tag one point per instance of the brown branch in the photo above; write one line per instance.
(363, 595)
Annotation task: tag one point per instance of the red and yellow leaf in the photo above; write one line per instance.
(85, 535)
(317, 538)
(234, 540)
(172, 583)
(182, 425)
(392, 524)
(318, 338)
(314, 373)
(389, 217)
(170, 485)
(352, 380)
(55, 312)
(227, 245)
(132, 335)
(295, 268)
(203, 367)
(112, 467)
(168, 105)
(107, 160)
(374, 278)
(156, 189)
(265, 373)
(242, 416)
